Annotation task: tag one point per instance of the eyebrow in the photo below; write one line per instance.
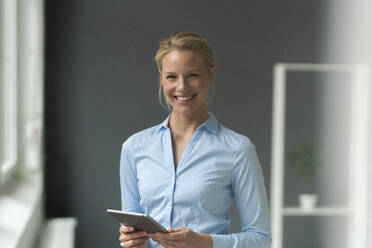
(194, 70)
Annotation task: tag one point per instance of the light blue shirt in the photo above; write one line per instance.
(216, 166)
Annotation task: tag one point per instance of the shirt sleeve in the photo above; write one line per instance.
(130, 197)
(250, 194)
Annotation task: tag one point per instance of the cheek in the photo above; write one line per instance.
(202, 87)
(202, 83)
(167, 89)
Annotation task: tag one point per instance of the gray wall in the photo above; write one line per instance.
(101, 86)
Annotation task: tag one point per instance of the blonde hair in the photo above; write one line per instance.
(184, 41)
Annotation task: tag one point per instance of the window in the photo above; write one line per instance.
(21, 82)
(8, 87)
(21, 86)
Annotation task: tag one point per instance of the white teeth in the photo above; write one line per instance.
(184, 98)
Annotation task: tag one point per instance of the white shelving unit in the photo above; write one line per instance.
(320, 211)
(356, 208)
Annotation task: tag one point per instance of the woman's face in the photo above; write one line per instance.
(185, 81)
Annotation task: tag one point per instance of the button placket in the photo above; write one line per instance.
(181, 166)
(171, 198)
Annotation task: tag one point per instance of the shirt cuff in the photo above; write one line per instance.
(221, 241)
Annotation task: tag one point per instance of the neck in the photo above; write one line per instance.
(183, 125)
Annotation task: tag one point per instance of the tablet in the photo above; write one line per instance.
(141, 222)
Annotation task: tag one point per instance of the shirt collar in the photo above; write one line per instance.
(211, 124)
(164, 124)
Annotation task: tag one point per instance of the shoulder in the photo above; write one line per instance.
(142, 137)
(234, 139)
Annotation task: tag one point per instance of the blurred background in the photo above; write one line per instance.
(77, 78)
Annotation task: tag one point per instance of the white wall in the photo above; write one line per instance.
(347, 39)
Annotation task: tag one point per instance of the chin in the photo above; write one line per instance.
(188, 111)
(184, 112)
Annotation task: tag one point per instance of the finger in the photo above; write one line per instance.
(178, 234)
(135, 242)
(162, 236)
(176, 229)
(157, 235)
(126, 229)
(130, 236)
(179, 229)
(137, 235)
(144, 245)
(154, 237)
(161, 242)
(168, 244)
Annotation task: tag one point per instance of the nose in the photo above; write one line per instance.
(182, 83)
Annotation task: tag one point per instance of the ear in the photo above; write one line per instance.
(212, 75)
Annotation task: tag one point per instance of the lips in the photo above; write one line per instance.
(184, 98)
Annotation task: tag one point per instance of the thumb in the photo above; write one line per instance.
(178, 229)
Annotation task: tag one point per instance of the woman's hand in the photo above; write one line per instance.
(130, 238)
(182, 238)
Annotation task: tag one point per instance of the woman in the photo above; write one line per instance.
(186, 171)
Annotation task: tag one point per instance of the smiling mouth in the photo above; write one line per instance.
(184, 99)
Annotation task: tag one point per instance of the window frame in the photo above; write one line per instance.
(9, 96)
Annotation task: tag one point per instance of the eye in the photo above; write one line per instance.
(170, 77)
(194, 75)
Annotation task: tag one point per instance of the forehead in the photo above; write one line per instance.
(181, 60)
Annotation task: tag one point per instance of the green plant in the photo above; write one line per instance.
(304, 160)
